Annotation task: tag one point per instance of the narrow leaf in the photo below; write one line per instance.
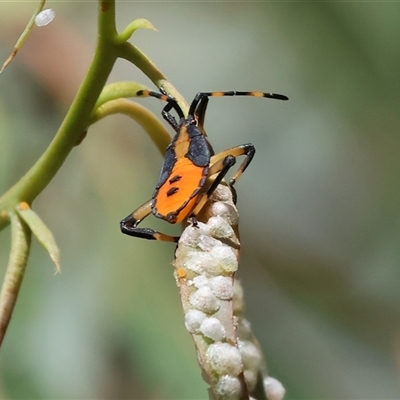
(24, 35)
(116, 90)
(139, 23)
(20, 245)
(41, 232)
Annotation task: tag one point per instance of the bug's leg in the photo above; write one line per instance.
(199, 118)
(170, 118)
(247, 150)
(130, 223)
(200, 113)
(220, 167)
(197, 104)
(220, 164)
(199, 96)
(193, 221)
(171, 104)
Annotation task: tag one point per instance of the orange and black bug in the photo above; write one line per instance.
(191, 171)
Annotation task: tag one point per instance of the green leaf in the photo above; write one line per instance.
(20, 246)
(116, 90)
(41, 232)
(139, 23)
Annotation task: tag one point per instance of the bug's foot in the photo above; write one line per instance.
(234, 193)
(194, 222)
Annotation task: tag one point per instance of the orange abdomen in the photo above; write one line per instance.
(179, 192)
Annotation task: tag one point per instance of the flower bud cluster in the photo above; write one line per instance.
(205, 264)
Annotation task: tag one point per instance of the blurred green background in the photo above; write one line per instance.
(319, 205)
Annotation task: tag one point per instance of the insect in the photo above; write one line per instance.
(191, 170)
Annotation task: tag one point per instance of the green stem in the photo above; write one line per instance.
(76, 120)
(131, 53)
(158, 133)
(74, 126)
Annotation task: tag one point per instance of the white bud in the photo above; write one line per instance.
(251, 379)
(273, 388)
(204, 300)
(228, 387)
(200, 262)
(222, 286)
(226, 211)
(193, 320)
(251, 355)
(224, 359)
(45, 17)
(226, 257)
(219, 228)
(213, 329)
(200, 281)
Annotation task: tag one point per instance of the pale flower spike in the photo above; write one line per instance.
(45, 17)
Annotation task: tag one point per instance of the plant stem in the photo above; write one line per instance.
(75, 122)
(131, 53)
(157, 132)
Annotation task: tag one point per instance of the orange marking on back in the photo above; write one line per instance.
(181, 146)
(191, 177)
